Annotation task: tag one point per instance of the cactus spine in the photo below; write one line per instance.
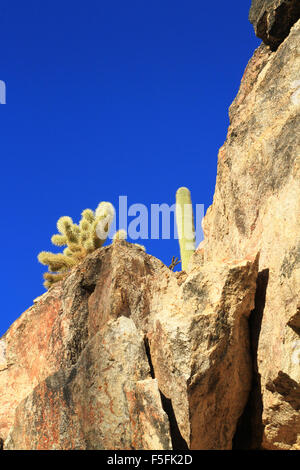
(185, 225)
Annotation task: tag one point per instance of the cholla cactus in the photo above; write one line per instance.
(104, 216)
(120, 235)
(185, 225)
(81, 239)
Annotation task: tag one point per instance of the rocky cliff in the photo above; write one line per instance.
(126, 354)
(256, 207)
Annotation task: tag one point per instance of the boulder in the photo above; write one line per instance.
(273, 19)
(126, 354)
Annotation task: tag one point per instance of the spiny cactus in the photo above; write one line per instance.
(120, 235)
(185, 225)
(80, 240)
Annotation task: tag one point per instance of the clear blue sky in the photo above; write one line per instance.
(108, 98)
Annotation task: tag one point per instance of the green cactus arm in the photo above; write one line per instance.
(88, 215)
(104, 216)
(62, 223)
(59, 240)
(54, 277)
(43, 257)
(104, 208)
(84, 225)
(120, 235)
(56, 261)
(67, 228)
(75, 247)
(76, 230)
(185, 225)
(73, 234)
(68, 252)
(76, 255)
(89, 245)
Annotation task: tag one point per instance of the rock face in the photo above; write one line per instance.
(256, 207)
(273, 19)
(126, 354)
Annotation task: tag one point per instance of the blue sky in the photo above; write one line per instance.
(107, 99)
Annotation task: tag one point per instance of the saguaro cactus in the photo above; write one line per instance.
(185, 225)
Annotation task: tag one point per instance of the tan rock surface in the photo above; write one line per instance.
(199, 343)
(106, 401)
(256, 207)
